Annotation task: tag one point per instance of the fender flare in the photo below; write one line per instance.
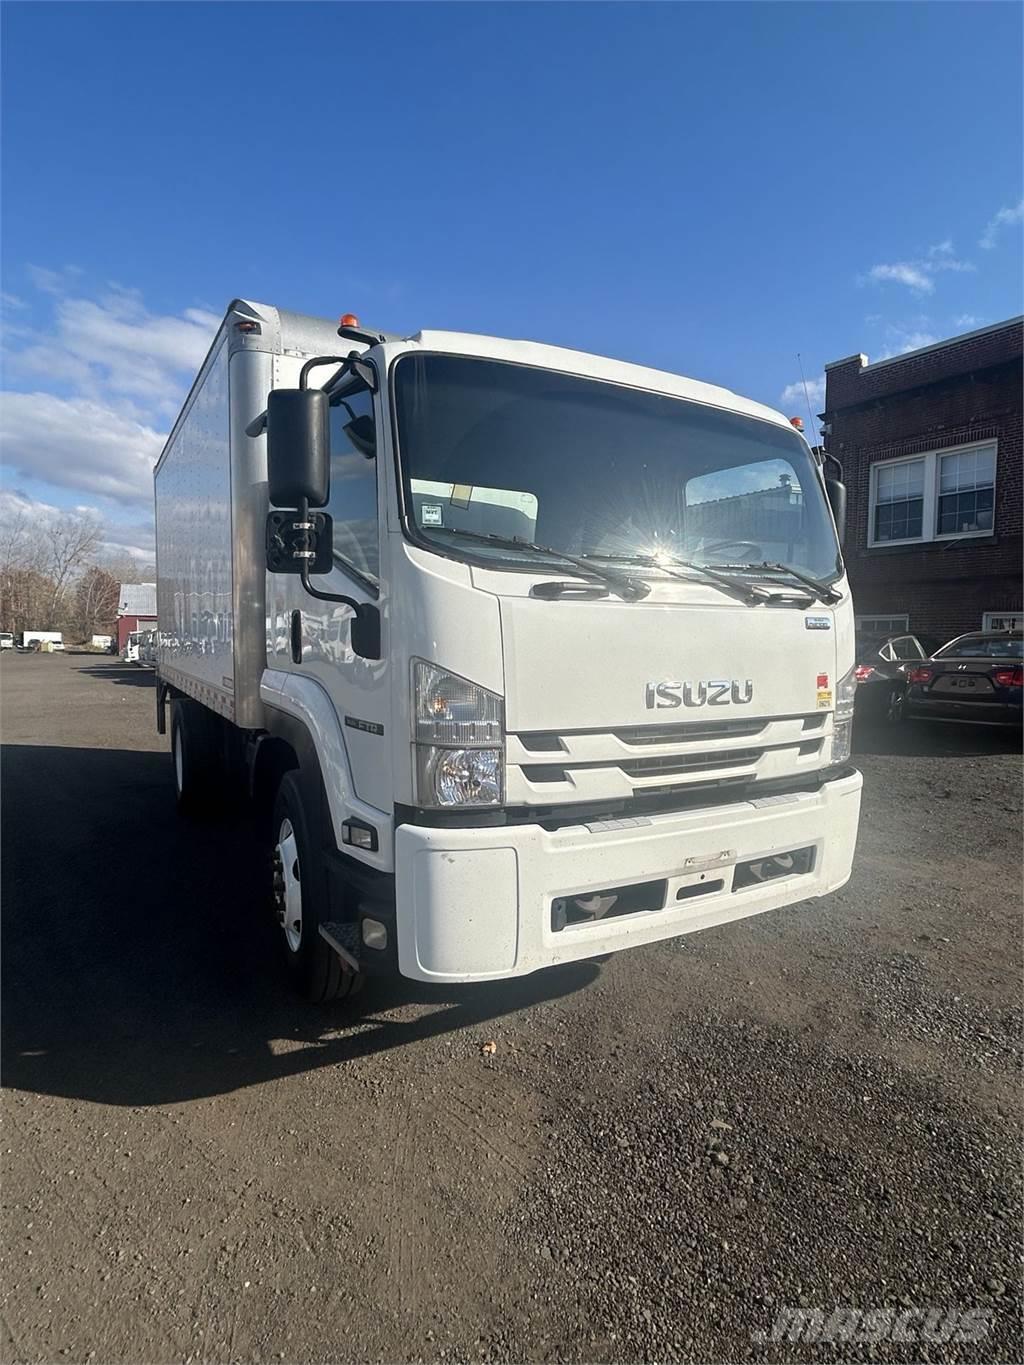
(306, 704)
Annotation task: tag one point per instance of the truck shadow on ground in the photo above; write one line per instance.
(123, 675)
(140, 962)
(933, 739)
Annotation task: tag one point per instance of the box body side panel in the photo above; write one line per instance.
(194, 546)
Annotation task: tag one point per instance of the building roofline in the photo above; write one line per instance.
(859, 355)
(923, 350)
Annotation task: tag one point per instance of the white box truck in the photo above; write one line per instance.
(524, 655)
(48, 640)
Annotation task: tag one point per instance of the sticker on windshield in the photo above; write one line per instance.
(818, 622)
(431, 514)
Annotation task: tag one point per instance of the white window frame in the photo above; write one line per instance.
(930, 511)
(1016, 618)
(866, 626)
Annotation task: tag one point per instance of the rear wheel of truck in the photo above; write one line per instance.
(196, 753)
(315, 969)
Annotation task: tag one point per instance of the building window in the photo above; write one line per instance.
(882, 625)
(1002, 620)
(967, 481)
(945, 494)
(899, 501)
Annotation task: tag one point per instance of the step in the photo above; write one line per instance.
(344, 939)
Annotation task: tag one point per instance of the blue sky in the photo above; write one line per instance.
(710, 189)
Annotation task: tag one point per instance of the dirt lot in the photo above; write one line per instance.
(813, 1108)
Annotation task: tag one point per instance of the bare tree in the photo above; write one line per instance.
(71, 541)
(97, 594)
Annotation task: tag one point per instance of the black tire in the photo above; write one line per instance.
(300, 898)
(197, 747)
(894, 713)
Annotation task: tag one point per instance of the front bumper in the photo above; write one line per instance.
(475, 904)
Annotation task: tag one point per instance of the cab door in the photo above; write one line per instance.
(317, 644)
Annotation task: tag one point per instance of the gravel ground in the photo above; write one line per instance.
(817, 1108)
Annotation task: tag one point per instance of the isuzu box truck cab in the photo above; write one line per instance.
(525, 655)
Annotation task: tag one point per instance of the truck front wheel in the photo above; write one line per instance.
(298, 895)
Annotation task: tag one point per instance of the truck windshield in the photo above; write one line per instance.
(593, 468)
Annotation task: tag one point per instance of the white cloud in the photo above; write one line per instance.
(114, 346)
(919, 275)
(1004, 218)
(967, 322)
(943, 257)
(794, 394)
(902, 341)
(80, 444)
(12, 301)
(52, 281)
(14, 504)
(122, 372)
(903, 272)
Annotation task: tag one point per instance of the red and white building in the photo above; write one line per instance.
(136, 610)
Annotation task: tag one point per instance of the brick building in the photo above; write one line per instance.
(930, 444)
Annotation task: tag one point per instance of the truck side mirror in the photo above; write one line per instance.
(298, 447)
(835, 491)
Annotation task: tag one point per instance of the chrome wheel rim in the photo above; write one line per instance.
(288, 885)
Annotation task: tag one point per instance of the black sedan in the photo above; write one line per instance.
(882, 661)
(976, 678)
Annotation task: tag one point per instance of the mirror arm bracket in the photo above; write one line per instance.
(351, 362)
(366, 622)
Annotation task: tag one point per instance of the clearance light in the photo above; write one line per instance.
(348, 320)
(797, 422)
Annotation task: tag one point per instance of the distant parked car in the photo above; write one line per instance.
(882, 661)
(975, 678)
(6, 639)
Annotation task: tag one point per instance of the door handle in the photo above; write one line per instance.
(296, 637)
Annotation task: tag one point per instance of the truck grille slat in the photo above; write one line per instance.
(694, 730)
(669, 764)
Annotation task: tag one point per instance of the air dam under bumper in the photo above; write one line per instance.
(475, 904)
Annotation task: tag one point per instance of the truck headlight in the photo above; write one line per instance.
(842, 721)
(459, 777)
(460, 740)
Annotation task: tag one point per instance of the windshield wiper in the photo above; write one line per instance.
(749, 592)
(821, 590)
(629, 589)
